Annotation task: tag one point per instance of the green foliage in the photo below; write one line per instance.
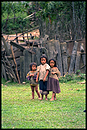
(68, 77)
(78, 72)
(58, 11)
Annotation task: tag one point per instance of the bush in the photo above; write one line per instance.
(82, 76)
(78, 72)
(69, 77)
(62, 79)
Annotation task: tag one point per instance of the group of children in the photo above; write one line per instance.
(47, 75)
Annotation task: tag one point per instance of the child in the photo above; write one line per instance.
(53, 83)
(42, 74)
(32, 74)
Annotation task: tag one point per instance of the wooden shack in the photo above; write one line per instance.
(16, 56)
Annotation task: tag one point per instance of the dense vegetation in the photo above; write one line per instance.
(70, 16)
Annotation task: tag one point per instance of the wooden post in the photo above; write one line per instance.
(73, 57)
(52, 52)
(59, 61)
(4, 72)
(22, 77)
(27, 61)
(64, 57)
(77, 63)
(5, 45)
(84, 58)
(37, 55)
(16, 38)
(83, 55)
(15, 64)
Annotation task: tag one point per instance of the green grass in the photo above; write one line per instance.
(18, 111)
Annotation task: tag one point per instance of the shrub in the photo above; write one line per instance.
(78, 72)
(62, 79)
(74, 77)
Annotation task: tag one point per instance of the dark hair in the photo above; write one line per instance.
(54, 62)
(33, 63)
(43, 56)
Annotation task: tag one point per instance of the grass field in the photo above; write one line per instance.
(18, 111)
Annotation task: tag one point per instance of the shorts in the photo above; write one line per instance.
(43, 87)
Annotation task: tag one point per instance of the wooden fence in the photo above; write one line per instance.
(70, 56)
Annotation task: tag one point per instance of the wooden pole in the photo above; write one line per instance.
(15, 64)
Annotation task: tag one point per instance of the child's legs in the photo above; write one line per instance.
(41, 96)
(45, 86)
(53, 95)
(41, 84)
(45, 89)
(36, 89)
(41, 88)
(32, 88)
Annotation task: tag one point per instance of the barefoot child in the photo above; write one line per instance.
(31, 76)
(53, 83)
(42, 74)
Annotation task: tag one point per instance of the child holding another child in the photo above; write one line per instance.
(53, 83)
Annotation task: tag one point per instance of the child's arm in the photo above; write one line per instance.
(47, 72)
(37, 77)
(57, 72)
(27, 75)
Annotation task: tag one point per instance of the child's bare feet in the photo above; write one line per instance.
(52, 99)
(55, 98)
(46, 99)
(32, 98)
(39, 98)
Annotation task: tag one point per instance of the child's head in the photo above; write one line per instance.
(43, 59)
(52, 63)
(33, 66)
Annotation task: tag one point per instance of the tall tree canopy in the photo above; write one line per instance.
(69, 17)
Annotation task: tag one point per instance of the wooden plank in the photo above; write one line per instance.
(27, 61)
(5, 45)
(64, 57)
(73, 57)
(10, 67)
(77, 63)
(20, 47)
(22, 76)
(17, 45)
(73, 40)
(84, 58)
(3, 72)
(28, 31)
(15, 64)
(59, 60)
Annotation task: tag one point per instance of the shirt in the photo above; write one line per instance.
(32, 79)
(42, 71)
(55, 76)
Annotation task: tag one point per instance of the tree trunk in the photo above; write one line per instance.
(73, 23)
